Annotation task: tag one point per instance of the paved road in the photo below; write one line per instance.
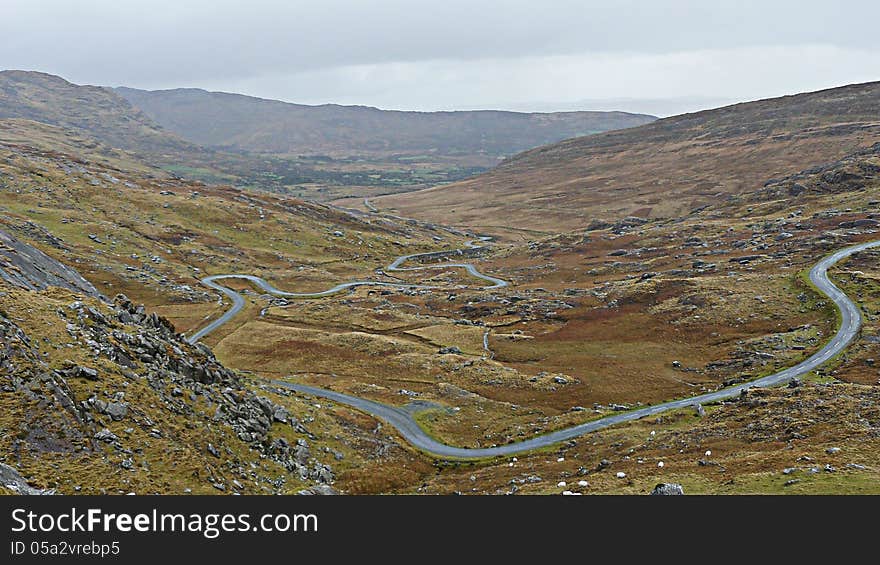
(238, 301)
(402, 420)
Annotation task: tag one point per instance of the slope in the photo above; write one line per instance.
(662, 169)
(49, 99)
(101, 398)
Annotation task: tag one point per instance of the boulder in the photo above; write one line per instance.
(667, 489)
(106, 435)
(116, 410)
(81, 372)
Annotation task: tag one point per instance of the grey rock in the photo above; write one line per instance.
(12, 480)
(106, 435)
(325, 490)
(117, 410)
(667, 489)
(81, 372)
(321, 473)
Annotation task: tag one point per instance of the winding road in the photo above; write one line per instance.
(402, 420)
(238, 300)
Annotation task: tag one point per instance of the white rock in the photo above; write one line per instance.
(583, 484)
(561, 484)
(660, 464)
(560, 460)
(621, 475)
(708, 452)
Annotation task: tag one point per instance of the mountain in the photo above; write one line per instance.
(97, 111)
(659, 170)
(244, 123)
(321, 152)
(95, 122)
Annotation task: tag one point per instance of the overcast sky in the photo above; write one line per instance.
(661, 56)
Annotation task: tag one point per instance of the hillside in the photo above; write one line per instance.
(244, 123)
(659, 170)
(112, 398)
(94, 110)
(52, 139)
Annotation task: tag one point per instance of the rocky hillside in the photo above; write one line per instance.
(854, 172)
(118, 394)
(27, 267)
(660, 170)
(233, 121)
(108, 399)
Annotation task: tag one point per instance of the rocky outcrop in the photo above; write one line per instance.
(851, 173)
(123, 339)
(25, 266)
(13, 481)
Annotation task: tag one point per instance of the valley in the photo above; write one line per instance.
(661, 333)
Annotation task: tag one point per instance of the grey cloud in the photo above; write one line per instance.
(165, 43)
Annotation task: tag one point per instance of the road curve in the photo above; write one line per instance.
(402, 420)
(238, 301)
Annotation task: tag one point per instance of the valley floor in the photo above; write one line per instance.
(595, 322)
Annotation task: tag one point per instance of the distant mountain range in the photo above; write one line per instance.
(244, 123)
(320, 152)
